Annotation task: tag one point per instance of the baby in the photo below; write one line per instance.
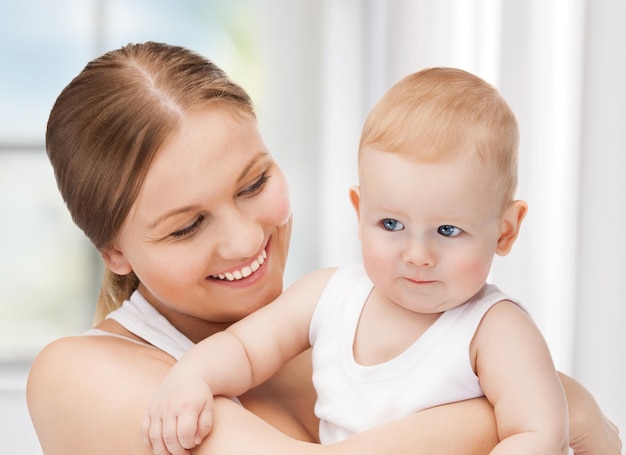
(416, 325)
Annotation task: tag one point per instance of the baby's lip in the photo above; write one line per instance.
(420, 280)
(242, 272)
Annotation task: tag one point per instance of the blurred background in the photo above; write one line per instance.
(314, 69)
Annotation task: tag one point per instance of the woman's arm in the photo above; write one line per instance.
(465, 428)
(88, 395)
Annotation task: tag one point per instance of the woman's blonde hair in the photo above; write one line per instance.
(106, 127)
(439, 113)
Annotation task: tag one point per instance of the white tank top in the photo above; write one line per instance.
(140, 318)
(434, 370)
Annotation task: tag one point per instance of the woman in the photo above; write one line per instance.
(158, 157)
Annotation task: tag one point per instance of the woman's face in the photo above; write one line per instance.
(209, 232)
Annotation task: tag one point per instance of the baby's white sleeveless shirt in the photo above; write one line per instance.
(434, 370)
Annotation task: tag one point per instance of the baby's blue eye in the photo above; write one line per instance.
(448, 230)
(392, 225)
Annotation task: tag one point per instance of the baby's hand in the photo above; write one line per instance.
(179, 416)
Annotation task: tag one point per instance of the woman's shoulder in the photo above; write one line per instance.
(87, 362)
(75, 353)
(79, 386)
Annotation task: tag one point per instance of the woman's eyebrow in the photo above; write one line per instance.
(180, 210)
(255, 159)
(171, 213)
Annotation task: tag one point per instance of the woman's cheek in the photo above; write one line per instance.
(277, 206)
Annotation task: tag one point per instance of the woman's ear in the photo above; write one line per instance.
(510, 225)
(115, 261)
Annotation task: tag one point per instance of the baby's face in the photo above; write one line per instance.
(429, 231)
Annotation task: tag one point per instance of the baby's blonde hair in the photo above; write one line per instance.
(442, 113)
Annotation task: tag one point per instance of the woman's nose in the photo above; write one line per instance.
(241, 236)
(419, 252)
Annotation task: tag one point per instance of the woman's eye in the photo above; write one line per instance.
(188, 230)
(391, 224)
(256, 186)
(448, 230)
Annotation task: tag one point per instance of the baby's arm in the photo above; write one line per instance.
(518, 377)
(230, 363)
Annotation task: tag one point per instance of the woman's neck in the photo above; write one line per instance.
(193, 327)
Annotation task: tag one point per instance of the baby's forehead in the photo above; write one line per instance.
(429, 193)
(416, 154)
(460, 169)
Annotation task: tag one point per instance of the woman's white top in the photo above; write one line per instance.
(140, 318)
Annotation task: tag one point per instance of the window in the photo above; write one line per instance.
(49, 272)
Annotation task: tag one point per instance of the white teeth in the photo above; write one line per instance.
(245, 271)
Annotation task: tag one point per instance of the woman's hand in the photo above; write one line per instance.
(599, 436)
(591, 432)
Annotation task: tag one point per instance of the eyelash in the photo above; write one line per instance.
(256, 186)
(252, 189)
(187, 231)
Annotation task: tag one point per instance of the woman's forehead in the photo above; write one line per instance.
(208, 154)
(210, 136)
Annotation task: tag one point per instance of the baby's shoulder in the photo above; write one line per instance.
(314, 281)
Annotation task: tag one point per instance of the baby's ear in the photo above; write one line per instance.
(355, 199)
(115, 261)
(510, 225)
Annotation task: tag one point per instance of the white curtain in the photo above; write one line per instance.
(561, 64)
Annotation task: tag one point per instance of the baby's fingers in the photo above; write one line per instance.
(205, 423)
(193, 427)
(170, 437)
(152, 433)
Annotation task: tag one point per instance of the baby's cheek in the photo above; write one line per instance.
(475, 272)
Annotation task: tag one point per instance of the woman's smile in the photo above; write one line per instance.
(242, 272)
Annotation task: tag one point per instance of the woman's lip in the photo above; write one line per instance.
(243, 272)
